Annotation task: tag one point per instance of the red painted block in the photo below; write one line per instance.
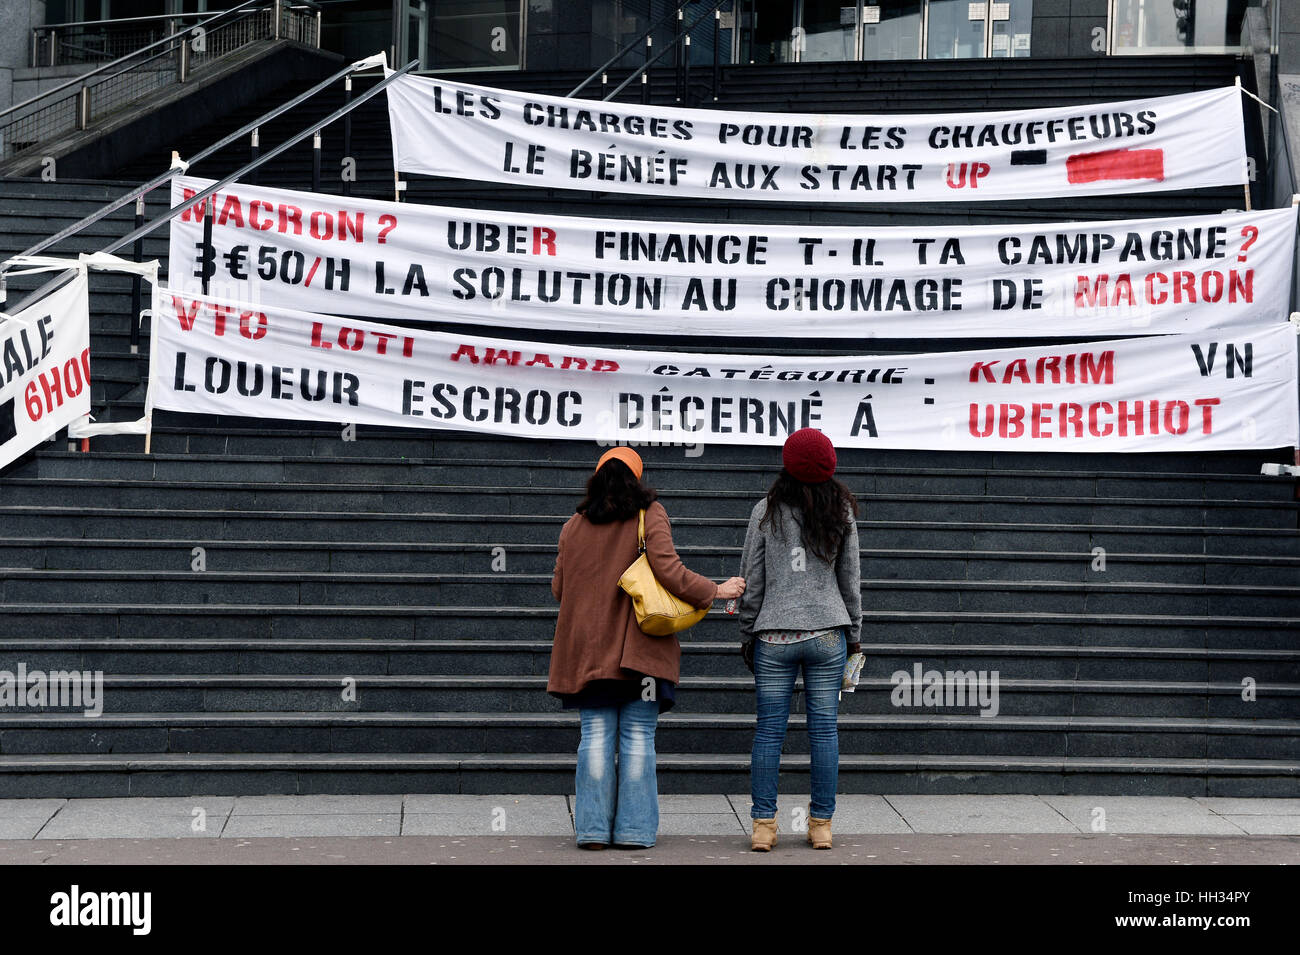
(1116, 164)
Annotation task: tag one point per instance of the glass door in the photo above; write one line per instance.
(962, 29)
(891, 29)
(1011, 24)
(767, 31)
(955, 29)
(829, 30)
(450, 35)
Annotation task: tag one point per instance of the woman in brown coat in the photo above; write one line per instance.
(618, 678)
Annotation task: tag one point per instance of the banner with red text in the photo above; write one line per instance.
(1233, 390)
(44, 368)
(388, 260)
(1185, 141)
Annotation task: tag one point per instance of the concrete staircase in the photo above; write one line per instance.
(1123, 599)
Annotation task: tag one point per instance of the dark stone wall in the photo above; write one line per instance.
(1066, 27)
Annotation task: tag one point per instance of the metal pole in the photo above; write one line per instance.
(717, 39)
(183, 69)
(1246, 185)
(645, 70)
(275, 17)
(83, 108)
(315, 163)
(677, 55)
(137, 254)
(254, 150)
(54, 45)
(686, 72)
(347, 131)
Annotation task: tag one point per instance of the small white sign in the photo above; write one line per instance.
(1001, 41)
(728, 20)
(848, 16)
(1021, 41)
(977, 11)
(1001, 11)
(871, 14)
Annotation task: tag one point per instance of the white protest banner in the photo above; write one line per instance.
(44, 368)
(443, 128)
(388, 260)
(1163, 393)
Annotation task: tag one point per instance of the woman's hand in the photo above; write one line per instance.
(731, 588)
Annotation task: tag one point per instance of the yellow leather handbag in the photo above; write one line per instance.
(658, 612)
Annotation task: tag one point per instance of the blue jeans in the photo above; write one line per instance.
(618, 805)
(775, 668)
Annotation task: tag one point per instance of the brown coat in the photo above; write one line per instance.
(596, 634)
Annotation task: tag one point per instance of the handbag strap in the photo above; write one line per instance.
(640, 532)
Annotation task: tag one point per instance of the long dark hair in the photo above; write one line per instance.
(614, 493)
(822, 511)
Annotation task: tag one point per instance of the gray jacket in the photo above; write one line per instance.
(787, 589)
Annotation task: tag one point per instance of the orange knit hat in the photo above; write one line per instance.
(624, 454)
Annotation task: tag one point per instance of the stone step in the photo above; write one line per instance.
(177, 433)
(506, 499)
(711, 560)
(241, 693)
(143, 774)
(895, 734)
(754, 478)
(206, 525)
(701, 657)
(252, 589)
(304, 622)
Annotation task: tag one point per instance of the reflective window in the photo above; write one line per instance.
(1013, 23)
(829, 30)
(467, 34)
(891, 30)
(767, 31)
(1177, 26)
(955, 29)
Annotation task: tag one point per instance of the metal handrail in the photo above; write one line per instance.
(81, 78)
(625, 51)
(202, 154)
(233, 177)
(149, 19)
(685, 34)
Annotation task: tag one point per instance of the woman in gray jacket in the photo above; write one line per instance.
(802, 606)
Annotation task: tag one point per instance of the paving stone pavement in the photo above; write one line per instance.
(247, 817)
(1013, 849)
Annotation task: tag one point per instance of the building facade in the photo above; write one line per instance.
(576, 34)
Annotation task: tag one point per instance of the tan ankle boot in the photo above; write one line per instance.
(764, 837)
(819, 833)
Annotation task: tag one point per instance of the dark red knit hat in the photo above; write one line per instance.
(809, 456)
